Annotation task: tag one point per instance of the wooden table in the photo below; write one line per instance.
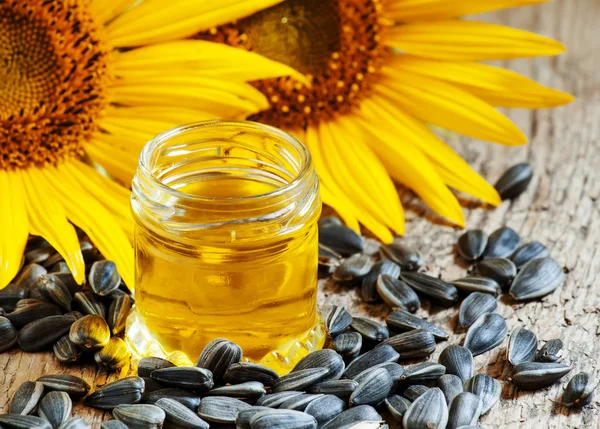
(560, 209)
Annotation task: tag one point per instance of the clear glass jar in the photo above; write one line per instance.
(226, 243)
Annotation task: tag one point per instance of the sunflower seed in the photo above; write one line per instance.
(405, 256)
(54, 290)
(249, 391)
(340, 388)
(16, 421)
(353, 269)
(193, 378)
(488, 331)
(522, 346)
(217, 356)
(10, 295)
(127, 390)
(91, 332)
(474, 306)
(337, 320)
(299, 403)
(179, 415)
(477, 284)
(328, 260)
(392, 368)
(537, 279)
(486, 388)
(151, 385)
(413, 344)
(529, 252)
(39, 255)
(242, 372)
(397, 406)
(56, 408)
(8, 334)
(184, 397)
(348, 344)
(114, 355)
(458, 361)
(370, 330)
(59, 267)
(443, 292)
(325, 358)
(502, 270)
(502, 243)
(117, 313)
(422, 373)
(380, 354)
(274, 400)
(465, 410)
(88, 303)
(72, 385)
(326, 221)
(75, 423)
(69, 281)
(30, 311)
(300, 380)
(353, 415)
(428, 411)
(580, 390)
(26, 398)
(325, 408)
(113, 424)
(243, 418)
(402, 320)
(369, 290)
(66, 351)
(26, 277)
(42, 333)
(148, 364)
(140, 416)
(374, 388)
(472, 244)
(396, 293)
(341, 239)
(413, 392)
(535, 375)
(282, 419)
(221, 409)
(104, 277)
(514, 181)
(450, 385)
(550, 352)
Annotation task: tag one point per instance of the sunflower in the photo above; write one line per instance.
(384, 74)
(86, 84)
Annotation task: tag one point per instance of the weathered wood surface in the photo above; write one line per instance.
(560, 209)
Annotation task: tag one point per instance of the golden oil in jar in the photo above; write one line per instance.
(226, 244)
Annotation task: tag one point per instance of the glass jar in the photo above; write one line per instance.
(226, 243)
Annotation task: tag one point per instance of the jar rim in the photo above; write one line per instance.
(151, 146)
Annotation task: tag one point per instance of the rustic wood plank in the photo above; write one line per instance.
(560, 209)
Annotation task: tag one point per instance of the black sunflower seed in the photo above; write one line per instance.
(179, 415)
(325, 358)
(412, 344)
(405, 256)
(475, 305)
(242, 372)
(486, 333)
(373, 388)
(56, 408)
(413, 392)
(529, 252)
(535, 375)
(300, 402)
(348, 344)
(148, 364)
(26, 277)
(341, 239)
(472, 244)
(282, 419)
(337, 320)
(17, 421)
(397, 406)
(450, 385)
(502, 270)
(113, 424)
(396, 293)
(8, 334)
(274, 400)
(422, 373)
(465, 410)
(10, 295)
(88, 303)
(502, 243)
(300, 380)
(114, 355)
(72, 385)
(30, 311)
(54, 290)
(550, 352)
(369, 290)
(217, 356)
(486, 388)
(118, 312)
(522, 346)
(104, 277)
(126, 390)
(458, 361)
(402, 320)
(184, 397)
(580, 390)
(477, 284)
(66, 351)
(537, 279)
(370, 330)
(249, 391)
(438, 289)
(427, 411)
(193, 378)
(221, 409)
(353, 415)
(26, 398)
(380, 354)
(353, 269)
(340, 388)
(91, 332)
(41, 334)
(140, 416)
(325, 408)
(514, 181)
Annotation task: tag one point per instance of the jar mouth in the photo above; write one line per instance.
(165, 141)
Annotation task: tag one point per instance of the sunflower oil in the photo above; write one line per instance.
(226, 244)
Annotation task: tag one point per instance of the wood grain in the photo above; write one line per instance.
(560, 209)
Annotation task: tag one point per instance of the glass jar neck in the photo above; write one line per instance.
(229, 181)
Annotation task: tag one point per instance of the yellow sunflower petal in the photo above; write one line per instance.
(469, 41)
(86, 212)
(120, 164)
(410, 167)
(453, 170)
(105, 10)
(14, 225)
(330, 199)
(47, 217)
(211, 59)
(153, 21)
(428, 10)
(442, 104)
(494, 85)
(167, 115)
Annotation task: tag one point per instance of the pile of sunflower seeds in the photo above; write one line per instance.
(44, 308)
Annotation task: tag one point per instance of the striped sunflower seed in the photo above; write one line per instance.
(340, 388)
(450, 385)
(300, 402)
(348, 344)
(242, 372)
(274, 400)
(535, 375)
(443, 292)
(471, 244)
(370, 330)
(249, 391)
(243, 418)
(69, 281)
(353, 269)
(28, 311)
(282, 419)
(405, 256)
(148, 364)
(537, 279)
(26, 398)
(522, 346)
(17, 421)
(514, 181)
(221, 409)
(126, 390)
(580, 390)
(325, 358)
(10, 295)
(104, 277)
(396, 293)
(337, 320)
(113, 424)
(502, 243)
(54, 290)
(352, 415)
(75, 423)
(140, 416)
(26, 277)
(325, 408)
(151, 385)
(91, 332)
(486, 388)
(56, 408)
(369, 290)
(392, 368)
(421, 373)
(41, 334)
(178, 415)
(8, 334)
(117, 313)
(88, 303)
(402, 320)
(529, 252)
(217, 356)
(380, 354)
(412, 344)
(300, 380)
(72, 385)
(477, 284)
(550, 352)
(341, 239)
(458, 361)
(428, 411)
(114, 355)
(193, 378)
(413, 392)
(486, 333)
(66, 351)
(373, 389)
(465, 410)
(474, 306)
(184, 397)
(502, 270)
(396, 406)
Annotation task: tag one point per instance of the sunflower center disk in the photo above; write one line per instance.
(335, 42)
(53, 80)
